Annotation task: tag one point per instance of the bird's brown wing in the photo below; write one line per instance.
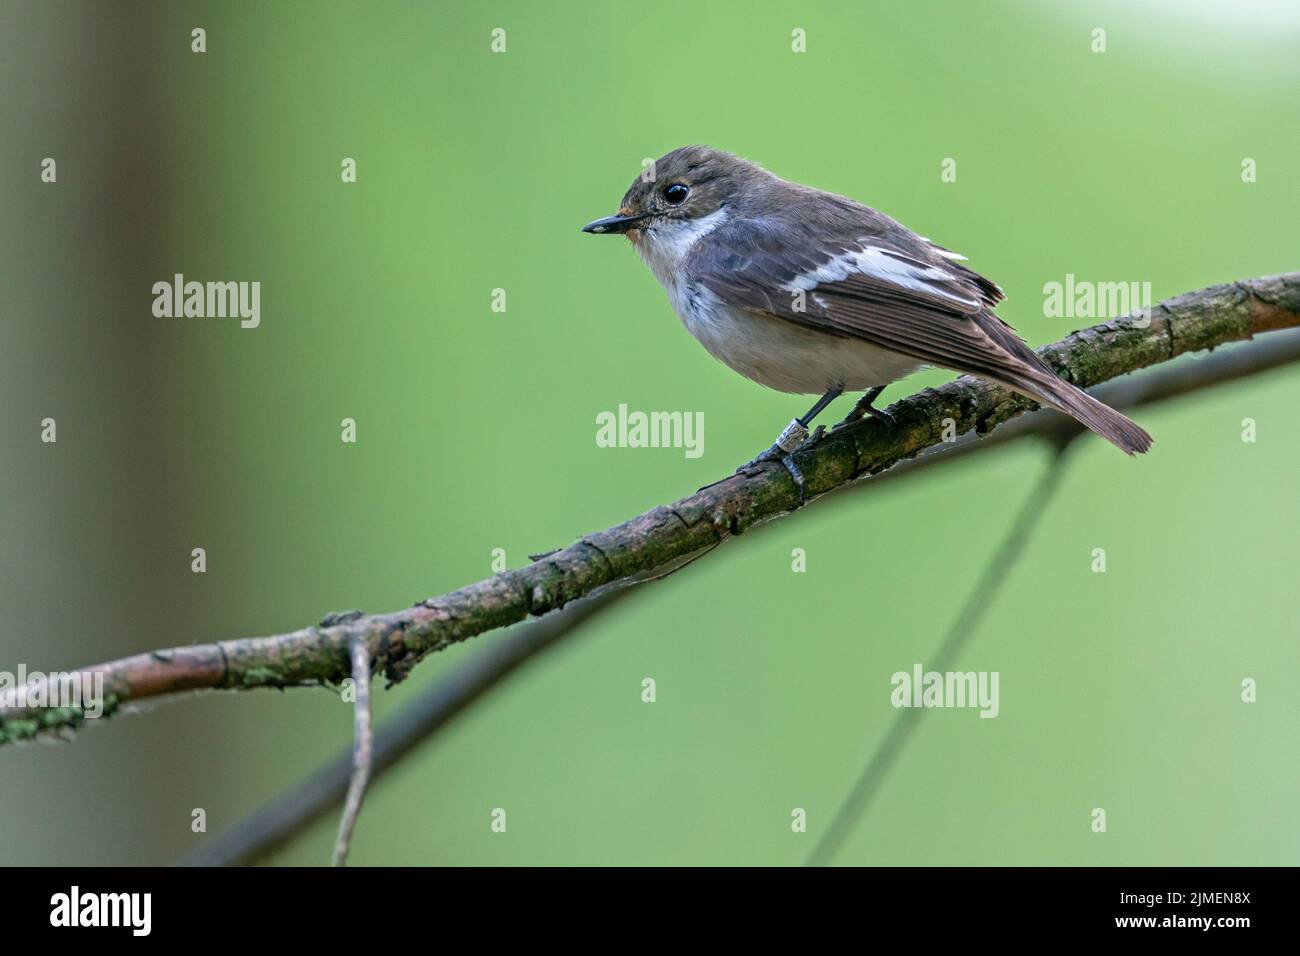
(890, 288)
(887, 286)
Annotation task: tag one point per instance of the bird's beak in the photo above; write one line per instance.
(614, 224)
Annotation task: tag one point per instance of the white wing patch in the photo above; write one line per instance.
(870, 260)
(886, 265)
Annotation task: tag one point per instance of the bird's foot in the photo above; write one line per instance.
(814, 438)
(790, 440)
(883, 415)
(864, 407)
(794, 438)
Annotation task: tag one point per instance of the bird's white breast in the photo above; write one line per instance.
(769, 350)
(782, 355)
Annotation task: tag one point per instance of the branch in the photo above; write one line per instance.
(271, 826)
(667, 534)
(275, 824)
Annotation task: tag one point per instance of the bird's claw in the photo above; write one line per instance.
(772, 454)
(797, 476)
(849, 419)
(859, 413)
(776, 453)
(790, 440)
(814, 438)
(794, 438)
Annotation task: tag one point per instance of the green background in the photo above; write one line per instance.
(476, 429)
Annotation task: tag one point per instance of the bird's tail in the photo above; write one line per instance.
(1034, 377)
(1120, 431)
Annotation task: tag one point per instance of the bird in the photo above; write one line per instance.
(812, 293)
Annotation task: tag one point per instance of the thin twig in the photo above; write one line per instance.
(362, 745)
(276, 823)
(981, 598)
(273, 825)
(666, 534)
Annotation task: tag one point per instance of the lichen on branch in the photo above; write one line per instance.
(669, 534)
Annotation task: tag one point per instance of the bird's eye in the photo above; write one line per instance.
(676, 194)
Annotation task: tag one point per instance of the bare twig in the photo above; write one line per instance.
(981, 598)
(361, 748)
(280, 820)
(666, 534)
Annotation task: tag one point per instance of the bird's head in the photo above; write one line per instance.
(677, 192)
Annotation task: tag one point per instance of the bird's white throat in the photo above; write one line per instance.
(665, 244)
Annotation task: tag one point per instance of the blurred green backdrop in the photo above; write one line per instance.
(476, 429)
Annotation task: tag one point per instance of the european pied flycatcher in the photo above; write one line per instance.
(808, 292)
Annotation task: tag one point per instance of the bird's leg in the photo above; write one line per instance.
(794, 436)
(864, 407)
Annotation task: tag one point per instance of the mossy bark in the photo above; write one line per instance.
(669, 534)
